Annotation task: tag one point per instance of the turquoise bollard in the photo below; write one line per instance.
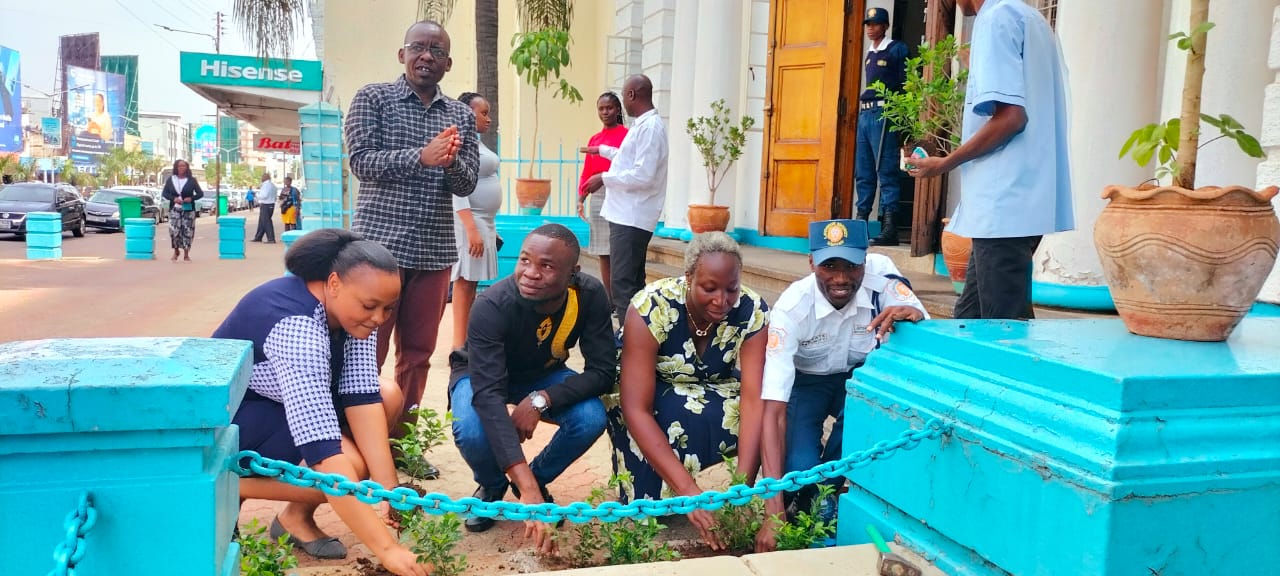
(289, 238)
(44, 236)
(231, 232)
(513, 228)
(143, 425)
(139, 239)
(1076, 448)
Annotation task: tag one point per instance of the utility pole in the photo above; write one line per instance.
(217, 119)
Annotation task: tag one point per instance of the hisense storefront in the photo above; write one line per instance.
(265, 93)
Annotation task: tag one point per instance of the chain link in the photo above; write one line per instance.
(404, 498)
(71, 550)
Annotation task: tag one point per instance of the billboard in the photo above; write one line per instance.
(51, 129)
(74, 50)
(10, 101)
(126, 66)
(95, 113)
(204, 142)
(277, 143)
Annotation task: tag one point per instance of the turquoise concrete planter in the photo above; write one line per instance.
(44, 222)
(231, 232)
(140, 228)
(1077, 448)
(44, 253)
(513, 228)
(44, 236)
(44, 240)
(139, 239)
(289, 238)
(142, 424)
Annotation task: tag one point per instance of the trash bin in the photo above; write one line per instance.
(222, 205)
(129, 208)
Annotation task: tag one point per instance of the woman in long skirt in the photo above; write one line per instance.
(182, 191)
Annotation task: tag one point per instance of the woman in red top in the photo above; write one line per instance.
(610, 110)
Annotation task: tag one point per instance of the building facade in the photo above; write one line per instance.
(170, 136)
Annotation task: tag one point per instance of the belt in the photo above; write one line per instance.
(870, 104)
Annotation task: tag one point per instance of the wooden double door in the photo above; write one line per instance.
(810, 128)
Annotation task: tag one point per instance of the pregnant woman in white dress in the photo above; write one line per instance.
(474, 227)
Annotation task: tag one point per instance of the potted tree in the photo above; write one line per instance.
(720, 141)
(539, 57)
(927, 114)
(1183, 262)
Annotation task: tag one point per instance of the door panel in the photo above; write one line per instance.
(802, 114)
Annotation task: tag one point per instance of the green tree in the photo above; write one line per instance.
(113, 165)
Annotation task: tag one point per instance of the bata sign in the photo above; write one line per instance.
(269, 143)
(229, 70)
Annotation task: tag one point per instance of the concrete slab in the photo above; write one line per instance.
(719, 565)
(861, 560)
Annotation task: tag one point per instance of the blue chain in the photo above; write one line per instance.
(404, 498)
(71, 550)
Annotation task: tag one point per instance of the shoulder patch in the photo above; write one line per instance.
(902, 293)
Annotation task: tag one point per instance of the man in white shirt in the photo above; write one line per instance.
(266, 208)
(637, 187)
(823, 326)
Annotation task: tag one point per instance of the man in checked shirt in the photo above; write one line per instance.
(413, 148)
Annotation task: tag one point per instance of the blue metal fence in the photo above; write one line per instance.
(563, 169)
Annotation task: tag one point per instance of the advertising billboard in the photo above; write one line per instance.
(10, 101)
(204, 142)
(95, 113)
(126, 66)
(51, 129)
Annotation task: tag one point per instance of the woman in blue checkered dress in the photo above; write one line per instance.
(314, 396)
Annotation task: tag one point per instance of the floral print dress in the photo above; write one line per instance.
(696, 398)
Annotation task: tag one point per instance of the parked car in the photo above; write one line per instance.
(104, 213)
(208, 204)
(16, 200)
(156, 195)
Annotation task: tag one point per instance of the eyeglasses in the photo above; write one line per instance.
(416, 49)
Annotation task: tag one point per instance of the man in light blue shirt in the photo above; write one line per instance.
(1015, 178)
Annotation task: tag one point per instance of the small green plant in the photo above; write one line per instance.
(262, 556)
(1174, 145)
(807, 528)
(930, 106)
(425, 433)
(539, 56)
(433, 540)
(626, 541)
(720, 142)
(737, 525)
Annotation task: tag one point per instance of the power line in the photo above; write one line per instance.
(147, 26)
(170, 12)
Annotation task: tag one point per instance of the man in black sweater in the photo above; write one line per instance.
(518, 339)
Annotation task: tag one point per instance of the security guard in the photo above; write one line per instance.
(877, 152)
(823, 327)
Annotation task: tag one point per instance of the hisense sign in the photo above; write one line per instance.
(230, 70)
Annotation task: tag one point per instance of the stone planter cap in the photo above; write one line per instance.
(121, 384)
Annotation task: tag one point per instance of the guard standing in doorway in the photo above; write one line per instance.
(877, 153)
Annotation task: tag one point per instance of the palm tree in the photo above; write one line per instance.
(114, 164)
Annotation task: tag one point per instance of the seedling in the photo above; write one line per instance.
(262, 556)
(808, 527)
(423, 434)
(433, 540)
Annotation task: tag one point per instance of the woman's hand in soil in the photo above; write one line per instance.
(387, 514)
(765, 540)
(400, 561)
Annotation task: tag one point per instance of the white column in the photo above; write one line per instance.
(679, 148)
(1269, 170)
(717, 74)
(1109, 97)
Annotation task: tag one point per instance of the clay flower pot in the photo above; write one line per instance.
(1186, 264)
(955, 252)
(707, 218)
(532, 193)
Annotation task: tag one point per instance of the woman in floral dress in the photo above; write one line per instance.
(698, 405)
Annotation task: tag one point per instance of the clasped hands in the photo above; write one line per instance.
(442, 150)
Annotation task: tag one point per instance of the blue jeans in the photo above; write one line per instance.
(813, 398)
(580, 425)
(869, 168)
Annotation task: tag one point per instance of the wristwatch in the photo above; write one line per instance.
(539, 400)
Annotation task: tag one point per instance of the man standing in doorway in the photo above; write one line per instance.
(266, 198)
(877, 154)
(637, 184)
(1015, 176)
(413, 149)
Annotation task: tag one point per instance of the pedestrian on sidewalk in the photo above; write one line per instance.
(182, 191)
(822, 327)
(877, 154)
(249, 198)
(314, 394)
(266, 208)
(590, 203)
(522, 329)
(475, 227)
(1013, 162)
(290, 205)
(637, 185)
(413, 149)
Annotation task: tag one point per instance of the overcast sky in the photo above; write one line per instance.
(128, 27)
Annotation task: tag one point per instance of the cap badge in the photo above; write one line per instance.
(835, 233)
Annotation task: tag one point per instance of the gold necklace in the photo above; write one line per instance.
(699, 332)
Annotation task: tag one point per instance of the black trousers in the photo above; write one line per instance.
(628, 249)
(265, 224)
(998, 284)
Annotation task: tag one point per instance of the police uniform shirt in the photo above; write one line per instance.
(886, 62)
(808, 335)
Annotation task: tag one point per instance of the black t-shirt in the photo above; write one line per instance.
(509, 342)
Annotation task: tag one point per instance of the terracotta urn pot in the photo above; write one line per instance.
(955, 252)
(707, 218)
(1186, 264)
(532, 192)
